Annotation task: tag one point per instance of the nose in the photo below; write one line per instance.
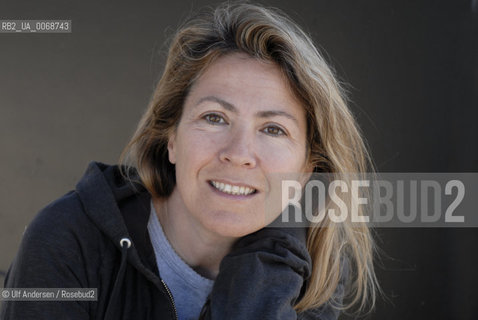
(239, 150)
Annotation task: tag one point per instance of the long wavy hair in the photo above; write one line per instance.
(335, 145)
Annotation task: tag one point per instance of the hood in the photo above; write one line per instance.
(120, 209)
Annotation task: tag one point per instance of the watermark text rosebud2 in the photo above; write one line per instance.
(49, 294)
(382, 199)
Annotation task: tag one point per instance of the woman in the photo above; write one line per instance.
(178, 232)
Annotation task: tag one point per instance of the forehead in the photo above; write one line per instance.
(246, 82)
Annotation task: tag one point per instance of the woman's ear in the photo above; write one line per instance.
(304, 178)
(307, 173)
(172, 148)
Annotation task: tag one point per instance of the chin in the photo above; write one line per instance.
(232, 225)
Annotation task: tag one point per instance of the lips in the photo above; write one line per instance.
(233, 189)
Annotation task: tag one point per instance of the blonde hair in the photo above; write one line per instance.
(335, 144)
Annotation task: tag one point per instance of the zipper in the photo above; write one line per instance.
(171, 298)
(205, 308)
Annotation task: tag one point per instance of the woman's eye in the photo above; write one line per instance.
(274, 131)
(214, 118)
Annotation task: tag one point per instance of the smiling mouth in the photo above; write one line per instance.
(232, 189)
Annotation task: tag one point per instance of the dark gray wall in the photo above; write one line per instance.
(67, 99)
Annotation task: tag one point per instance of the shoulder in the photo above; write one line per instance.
(55, 248)
(60, 237)
(59, 221)
(52, 254)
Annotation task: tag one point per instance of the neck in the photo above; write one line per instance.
(199, 248)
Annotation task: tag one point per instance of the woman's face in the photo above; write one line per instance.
(240, 125)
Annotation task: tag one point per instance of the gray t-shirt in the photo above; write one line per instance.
(189, 289)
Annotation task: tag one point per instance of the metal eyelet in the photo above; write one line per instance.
(125, 240)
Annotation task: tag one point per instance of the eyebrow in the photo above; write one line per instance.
(261, 114)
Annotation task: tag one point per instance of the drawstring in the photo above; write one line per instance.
(112, 308)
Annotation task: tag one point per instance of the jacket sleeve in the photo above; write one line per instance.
(262, 278)
(49, 257)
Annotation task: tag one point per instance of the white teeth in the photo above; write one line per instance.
(230, 189)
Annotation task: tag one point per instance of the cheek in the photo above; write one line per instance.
(281, 157)
(195, 150)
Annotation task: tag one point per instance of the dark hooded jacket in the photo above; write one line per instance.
(75, 242)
